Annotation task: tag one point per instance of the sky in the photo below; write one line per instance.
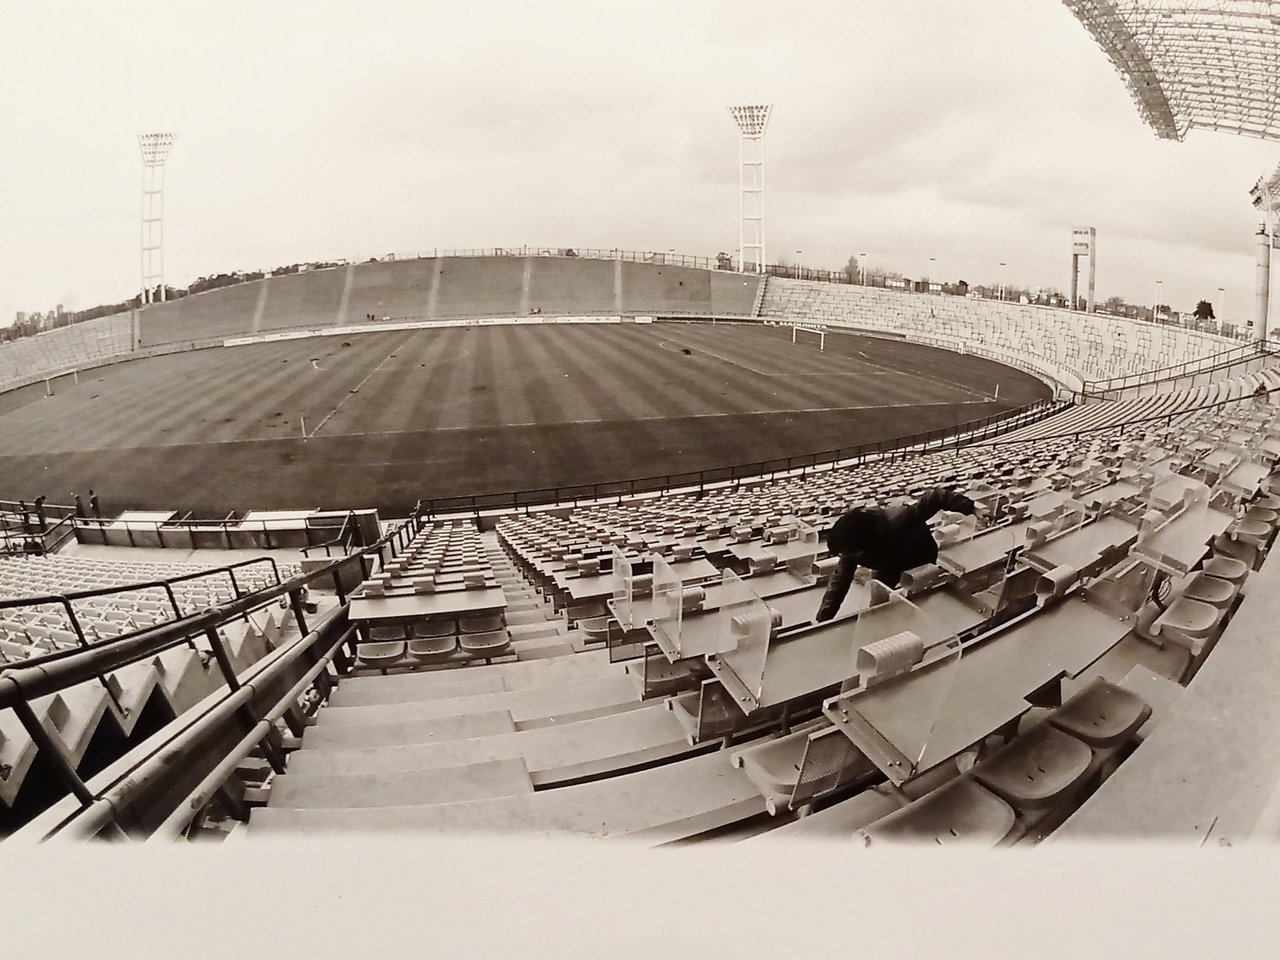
(972, 133)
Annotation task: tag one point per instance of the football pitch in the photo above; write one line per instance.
(383, 419)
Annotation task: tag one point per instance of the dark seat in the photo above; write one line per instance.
(1037, 769)
(381, 654)
(480, 624)
(962, 812)
(436, 627)
(432, 649)
(1102, 714)
(485, 645)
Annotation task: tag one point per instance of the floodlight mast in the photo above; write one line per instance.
(1265, 195)
(155, 149)
(752, 121)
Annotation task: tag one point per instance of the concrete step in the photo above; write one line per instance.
(454, 683)
(425, 730)
(614, 737)
(524, 706)
(666, 803)
(475, 781)
(534, 631)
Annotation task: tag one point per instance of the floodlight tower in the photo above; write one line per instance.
(1266, 198)
(155, 150)
(751, 121)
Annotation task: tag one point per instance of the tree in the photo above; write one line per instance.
(1204, 310)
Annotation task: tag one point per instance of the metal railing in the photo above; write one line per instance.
(22, 683)
(227, 534)
(700, 480)
(345, 539)
(1182, 375)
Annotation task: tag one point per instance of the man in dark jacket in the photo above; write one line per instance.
(887, 541)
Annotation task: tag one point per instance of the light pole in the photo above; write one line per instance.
(800, 263)
(933, 262)
(1155, 305)
(155, 149)
(1002, 266)
(752, 122)
(1222, 303)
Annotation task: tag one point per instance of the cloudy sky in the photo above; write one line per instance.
(969, 132)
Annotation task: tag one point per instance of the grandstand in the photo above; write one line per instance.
(639, 659)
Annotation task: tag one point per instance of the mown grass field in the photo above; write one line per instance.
(392, 417)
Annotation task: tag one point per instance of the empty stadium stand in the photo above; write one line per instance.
(648, 667)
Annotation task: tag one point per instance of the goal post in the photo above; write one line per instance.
(810, 330)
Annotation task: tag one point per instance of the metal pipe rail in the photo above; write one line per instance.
(1223, 360)
(22, 683)
(160, 786)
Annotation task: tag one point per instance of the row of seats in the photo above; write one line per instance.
(442, 557)
(32, 630)
(1094, 347)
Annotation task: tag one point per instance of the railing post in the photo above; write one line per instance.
(295, 600)
(53, 751)
(220, 654)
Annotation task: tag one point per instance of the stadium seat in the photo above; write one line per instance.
(1102, 714)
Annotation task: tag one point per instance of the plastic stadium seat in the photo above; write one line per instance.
(962, 812)
(1211, 590)
(485, 645)
(1036, 769)
(432, 649)
(382, 654)
(1227, 568)
(482, 624)
(596, 629)
(435, 627)
(1102, 714)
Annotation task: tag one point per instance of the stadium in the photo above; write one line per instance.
(529, 541)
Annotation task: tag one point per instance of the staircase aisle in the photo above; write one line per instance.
(536, 630)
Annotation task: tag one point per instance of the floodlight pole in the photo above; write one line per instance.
(752, 122)
(155, 149)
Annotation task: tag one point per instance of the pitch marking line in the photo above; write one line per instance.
(351, 393)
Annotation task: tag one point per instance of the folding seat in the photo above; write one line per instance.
(381, 654)
(1036, 769)
(480, 624)
(1102, 714)
(485, 645)
(595, 629)
(961, 812)
(432, 649)
(1216, 592)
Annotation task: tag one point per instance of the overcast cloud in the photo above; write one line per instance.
(972, 133)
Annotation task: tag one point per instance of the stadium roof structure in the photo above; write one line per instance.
(1206, 64)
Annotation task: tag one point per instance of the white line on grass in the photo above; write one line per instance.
(351, 393)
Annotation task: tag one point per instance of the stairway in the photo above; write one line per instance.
(536, 630)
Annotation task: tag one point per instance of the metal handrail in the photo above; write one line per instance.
(188, 626)
(337, 541)
(1137, 421)
(1210, 363)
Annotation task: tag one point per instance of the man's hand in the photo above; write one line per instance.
(863, 575)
